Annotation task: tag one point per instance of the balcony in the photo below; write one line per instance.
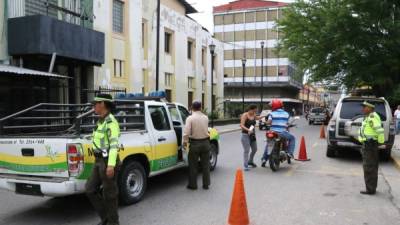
(275, 81)
(44, 35)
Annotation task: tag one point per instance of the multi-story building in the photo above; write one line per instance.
(244, 26)
(185, 58)
(75, 48)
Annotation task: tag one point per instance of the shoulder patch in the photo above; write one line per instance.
(371, 116)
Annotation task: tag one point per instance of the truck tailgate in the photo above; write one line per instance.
(45, 157)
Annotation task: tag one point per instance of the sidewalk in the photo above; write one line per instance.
(396, 151)
(228, 128)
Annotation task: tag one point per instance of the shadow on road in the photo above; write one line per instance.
(68, 209)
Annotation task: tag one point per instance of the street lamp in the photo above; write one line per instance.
(244, 74)
(262, 75)
(158, 45)
(212, 51)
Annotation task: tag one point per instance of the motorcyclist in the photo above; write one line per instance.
(278, 119)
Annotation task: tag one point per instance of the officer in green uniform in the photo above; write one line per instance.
(104, 173)
(371, 134)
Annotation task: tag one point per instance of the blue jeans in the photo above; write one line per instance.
(292, 144)
(397, 126)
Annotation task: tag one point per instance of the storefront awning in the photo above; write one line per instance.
(23, 71)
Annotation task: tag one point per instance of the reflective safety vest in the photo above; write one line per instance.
(371, 128)
(105, 138)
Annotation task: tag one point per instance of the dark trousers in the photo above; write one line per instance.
(199, 149)
(105, 201)
(370, 154)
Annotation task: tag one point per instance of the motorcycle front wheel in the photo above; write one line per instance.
(274, 160)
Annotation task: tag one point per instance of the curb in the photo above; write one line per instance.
(230, 131)
(396, 159)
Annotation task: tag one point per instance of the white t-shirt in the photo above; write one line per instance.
(397, 114)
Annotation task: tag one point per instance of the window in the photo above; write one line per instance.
(190, 98)
(219, 20)
(144, 32)
(118, 16)
(239, 17)
(184, 113)
(351, 109)
(203, 56)
(168, 79)
(191, 83)
(260, 16)
(168, 43)
(203, 85)
(168, 94)
(118, 68)
(189, 49)
(174, 113)
(159, 117)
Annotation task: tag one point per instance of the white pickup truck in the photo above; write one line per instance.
(46, 150)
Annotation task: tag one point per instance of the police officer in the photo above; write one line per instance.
(104, 173)
(371, 134)
(196, 133)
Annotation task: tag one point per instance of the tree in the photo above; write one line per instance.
(346, 42)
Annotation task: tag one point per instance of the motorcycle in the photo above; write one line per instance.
(278, 149)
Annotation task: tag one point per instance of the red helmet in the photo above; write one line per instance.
(276, 104)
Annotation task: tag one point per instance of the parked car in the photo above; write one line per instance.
(262, 123)
(317, 115)
(347, 119)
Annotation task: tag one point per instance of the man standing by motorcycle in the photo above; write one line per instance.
(278, 119)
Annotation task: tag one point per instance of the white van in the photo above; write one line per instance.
(347, 119)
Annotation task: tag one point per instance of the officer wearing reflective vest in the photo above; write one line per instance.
(104, 173)
(371, 134)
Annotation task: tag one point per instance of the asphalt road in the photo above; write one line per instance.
(321, 191)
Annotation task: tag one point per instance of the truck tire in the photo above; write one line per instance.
(310, 122)
(132, 183)
(330, 152)
(213, 156)
(385, 155)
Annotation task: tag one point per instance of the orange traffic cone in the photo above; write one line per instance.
(302, 152)
(322, 132)
(238, 214)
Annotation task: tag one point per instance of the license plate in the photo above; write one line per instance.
(28, 189)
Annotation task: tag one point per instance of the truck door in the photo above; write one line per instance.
(163, 135)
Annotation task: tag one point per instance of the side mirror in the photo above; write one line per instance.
(176, 123)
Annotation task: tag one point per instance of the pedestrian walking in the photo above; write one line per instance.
(397, 118)
(371, 134)
(248, 139)
(196, 134)
(105, 169)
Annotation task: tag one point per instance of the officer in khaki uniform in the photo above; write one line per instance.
(196, 133)
(104, 173)
(371, 134)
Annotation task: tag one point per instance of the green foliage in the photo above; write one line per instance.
(345, 42)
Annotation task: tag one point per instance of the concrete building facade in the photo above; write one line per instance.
(243, 26)
(121, 59)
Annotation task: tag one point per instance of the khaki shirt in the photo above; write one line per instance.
(196, 127)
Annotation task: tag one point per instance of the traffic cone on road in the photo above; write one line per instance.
(302, 152)
(322, 132)
(238, 214)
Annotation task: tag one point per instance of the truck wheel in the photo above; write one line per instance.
(330, 152)
(213, 156)
(310, 122)
(132, 183)
(385, 155)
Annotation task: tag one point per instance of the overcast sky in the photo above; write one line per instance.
(204, 17)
